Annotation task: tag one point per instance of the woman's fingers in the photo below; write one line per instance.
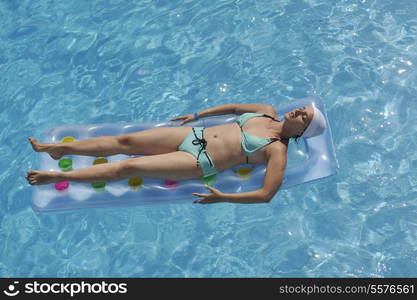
(184, 118)
(203, 198)
(212, 189)
(200, 195)
(214, 197)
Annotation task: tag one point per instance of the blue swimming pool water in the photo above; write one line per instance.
(83, 62)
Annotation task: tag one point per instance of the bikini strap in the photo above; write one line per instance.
(268, 116)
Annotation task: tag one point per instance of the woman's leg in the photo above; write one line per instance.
(177, 165)
(98, 146)
(145, 142)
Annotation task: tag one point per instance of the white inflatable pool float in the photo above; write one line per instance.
(319, 161)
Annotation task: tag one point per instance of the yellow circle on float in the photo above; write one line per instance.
(244, 171)
(135, 181)
(68, 139)
(100, 160)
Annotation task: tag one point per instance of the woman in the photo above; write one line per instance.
(179, 153)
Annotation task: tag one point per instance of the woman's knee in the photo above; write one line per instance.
(129, 167)
(126, 143)
(124, 140)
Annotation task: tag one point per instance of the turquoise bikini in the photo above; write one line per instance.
(252, 143)
(195, 143)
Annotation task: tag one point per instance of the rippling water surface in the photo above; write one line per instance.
(83, 62)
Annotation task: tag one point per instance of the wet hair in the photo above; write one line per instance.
(297, 137)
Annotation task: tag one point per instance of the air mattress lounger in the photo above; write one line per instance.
(320, 162)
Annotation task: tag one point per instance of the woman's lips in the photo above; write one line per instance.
(290, 115)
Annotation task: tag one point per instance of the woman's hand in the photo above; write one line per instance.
(184, 118)
(214, 197)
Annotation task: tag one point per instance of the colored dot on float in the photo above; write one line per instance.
(100, 160)
(60, 186)
(98, 185)
(68, 139)
(135, 181)
(244, 173)
(171, 184)
(65, 164)
(209, 180)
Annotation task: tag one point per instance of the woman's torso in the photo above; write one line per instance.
(224, 142)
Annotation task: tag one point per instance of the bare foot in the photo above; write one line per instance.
(44, 147)
(35, 177)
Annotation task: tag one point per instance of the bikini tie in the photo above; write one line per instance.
(203, 143)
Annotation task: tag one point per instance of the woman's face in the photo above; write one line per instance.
(300, 118)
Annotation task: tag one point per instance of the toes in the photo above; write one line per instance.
(31, 177)
(34, 143)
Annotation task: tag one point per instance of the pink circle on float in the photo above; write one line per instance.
(171, 184)
(60, 186)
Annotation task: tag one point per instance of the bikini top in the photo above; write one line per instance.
(251, 143)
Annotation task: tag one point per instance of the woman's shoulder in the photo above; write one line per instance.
(277, 148)
(268, 110)
(261, 108)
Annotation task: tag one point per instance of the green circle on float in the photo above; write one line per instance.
(209, 180)
(98, 185)
(65, 164)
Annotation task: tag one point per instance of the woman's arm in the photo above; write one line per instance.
(218, 110)
(237, 109)
(256, 108)
(214, 111)
(257, 196)
(275, 170)
(276, 162)
(229, 109)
